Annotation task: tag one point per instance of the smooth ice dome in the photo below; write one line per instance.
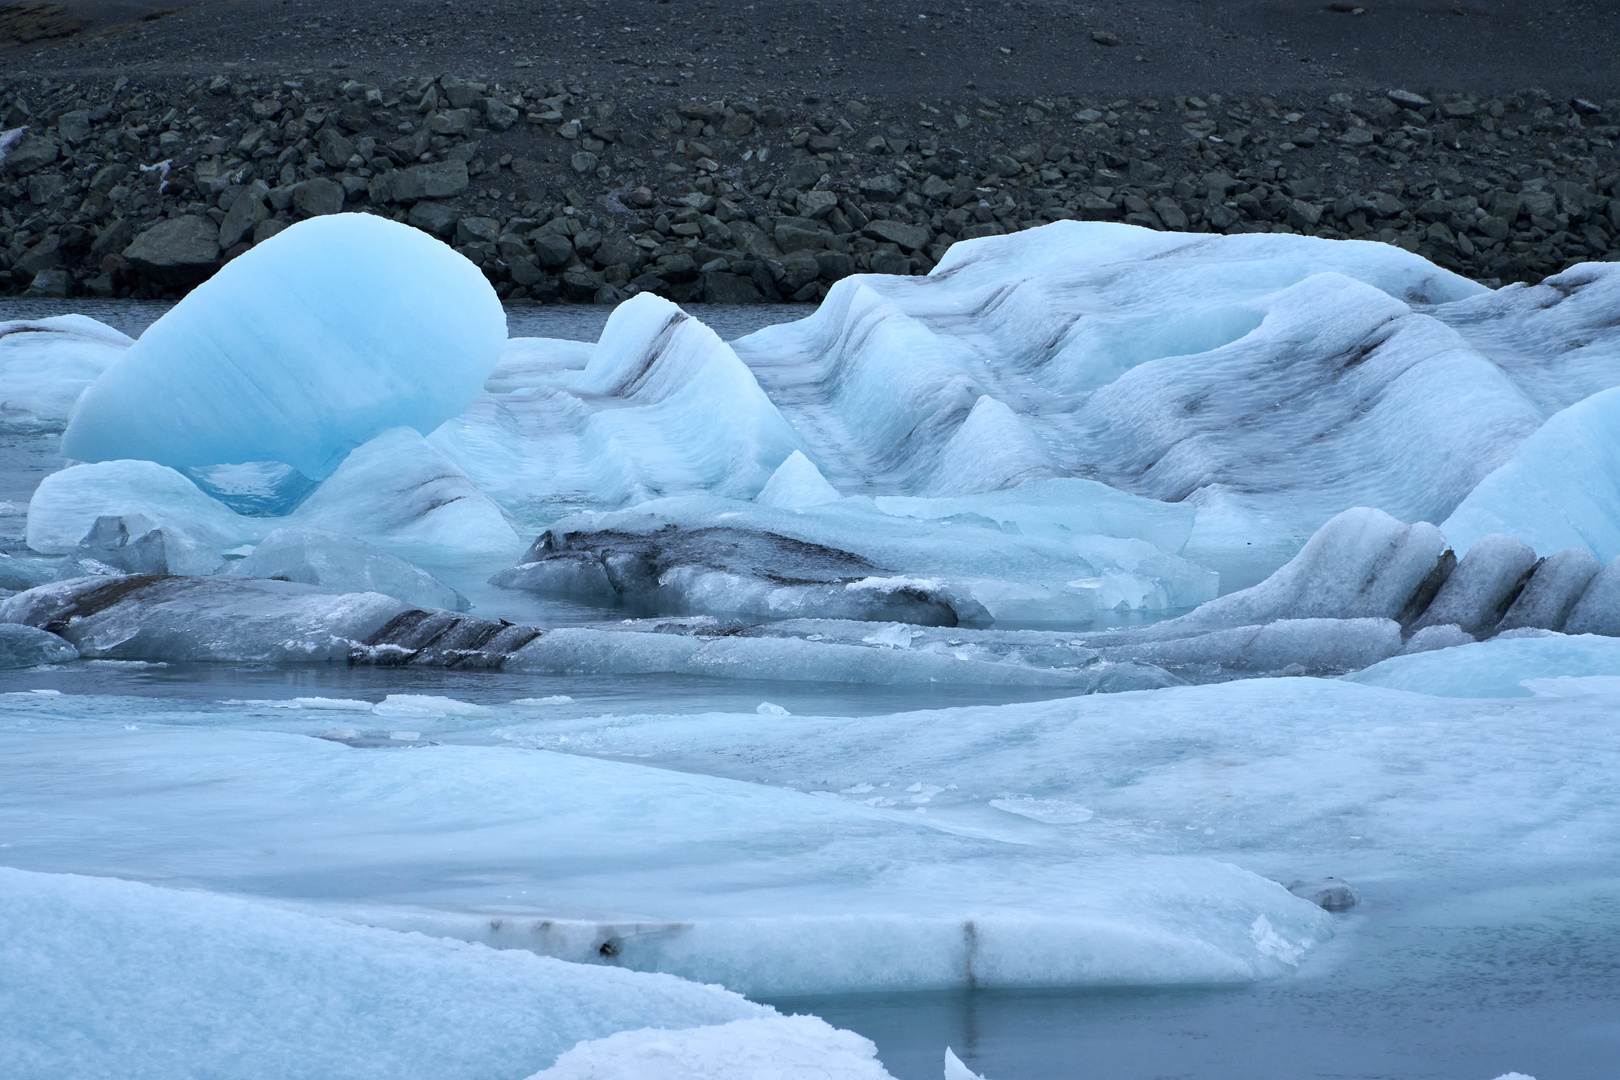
(300, 350)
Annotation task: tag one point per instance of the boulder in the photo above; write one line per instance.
(178, 251)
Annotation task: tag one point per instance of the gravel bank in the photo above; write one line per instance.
(581, 191)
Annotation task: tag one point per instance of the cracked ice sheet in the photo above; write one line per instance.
(762, 889)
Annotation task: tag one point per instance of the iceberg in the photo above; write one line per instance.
(345, 565)
(763, 889)
(251, 620)
(106, 977)
(764, 1048)
(1560, 488)
(315, 341)
(25, 646)
(45, 364)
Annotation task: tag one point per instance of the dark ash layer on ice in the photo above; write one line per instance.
(1366, 587)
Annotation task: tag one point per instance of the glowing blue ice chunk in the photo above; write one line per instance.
(329, 333)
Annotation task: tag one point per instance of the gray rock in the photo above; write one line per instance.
(25, 646)
(439, 180)
(29, 153)
(910, 237)
(799, 268)
(583, 161)
(1406, 99)
(318, 197)
(433, 217)
(55, 284)
(889, 262)
(485, 229)
(552, 249)
(618, 250)
(43, 256)
(452, 122)
(333, 147)
(805, 174)
(1329, 894)
(499, 114)
(752, 240)
(882, 188)
(798, 234)
(74, 126)
(178, 250)
(247, 211)
(725, 288)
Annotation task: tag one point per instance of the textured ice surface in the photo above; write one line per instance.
(768, 1048)
(1496, 668)
(762, 889)
(45, 364)
(307, 346)
(26, 646)
(396, 492)
(1560, 489)
(345, 565)
(993, 558)
(100, 977)
(248, 620)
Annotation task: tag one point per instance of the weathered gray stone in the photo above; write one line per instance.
(316, 198)
(752, 240)
(910, 237)
(499, 114)
(29, 153)
(882, 188)
(552, 249)
(433, 217)
(452, 122)
(45, 255)
(247, 211)
(335, 149)
(583, 161)
(470, 229)
(798, 234)
(74, 126)
(439, 180)
(178, 250)
(728, 288)
(55, 284)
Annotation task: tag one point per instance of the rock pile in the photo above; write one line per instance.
(561, 193)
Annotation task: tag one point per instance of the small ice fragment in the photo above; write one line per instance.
(893, 636)
(338, 734)
(404, 736)
(955, 1070)
(554, 699)
(427, 705)
(1329, 894)
(47, 693)
(1047, 811)
(1566, 685)
(321, 704)
(765, 708)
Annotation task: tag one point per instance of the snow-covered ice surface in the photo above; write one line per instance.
(369, 638)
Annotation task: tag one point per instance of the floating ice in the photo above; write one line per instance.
(344, 564)
(317, 340)
(45, 364)
(246, 620)
(796, 484)
(769, 1048)
(1495, 668)
(25, 646)
(1560, 489)
(100, 977)
(762, 889)
(923, 561)
(955, 1070)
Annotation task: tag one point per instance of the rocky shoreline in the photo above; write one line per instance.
(562, 192)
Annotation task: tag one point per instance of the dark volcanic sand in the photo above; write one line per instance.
(881, 49)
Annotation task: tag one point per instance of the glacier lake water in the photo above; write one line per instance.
(1436, 980)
